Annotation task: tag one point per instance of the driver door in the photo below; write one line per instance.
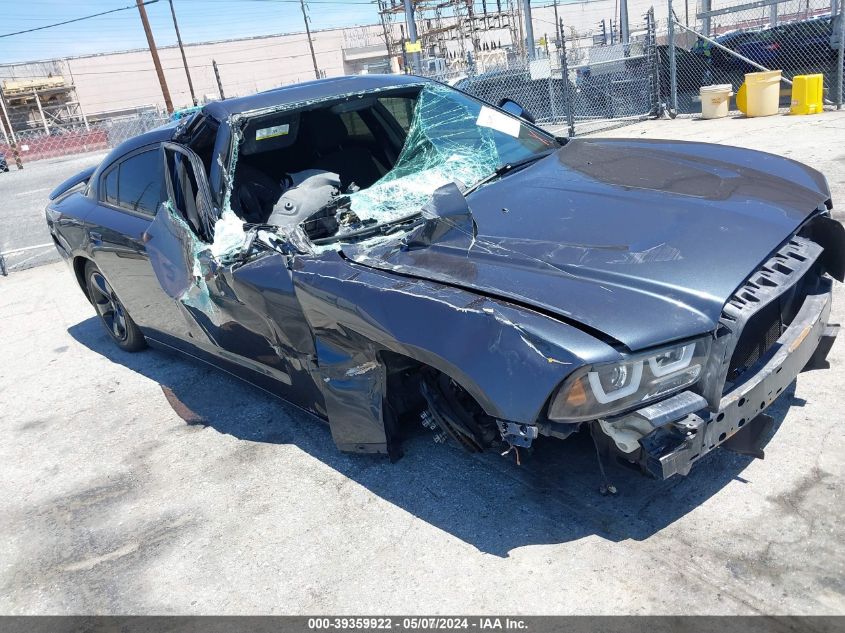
(223, 305)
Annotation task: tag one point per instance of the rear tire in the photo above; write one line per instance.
(114, 317)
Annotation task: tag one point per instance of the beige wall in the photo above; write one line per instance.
(119, 81)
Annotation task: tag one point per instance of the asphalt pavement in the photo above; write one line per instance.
(24, 193)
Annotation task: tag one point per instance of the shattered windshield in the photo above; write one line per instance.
(451, 138)
(348, 165)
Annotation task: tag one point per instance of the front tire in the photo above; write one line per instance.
(113, 315)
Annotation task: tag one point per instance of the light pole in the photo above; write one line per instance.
(182, 50)
(310, 43)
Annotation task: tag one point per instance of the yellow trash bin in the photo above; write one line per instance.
(807, 94)
(762, 93)
(742, 99)
(715, 100)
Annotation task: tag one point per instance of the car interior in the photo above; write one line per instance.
(323, 152)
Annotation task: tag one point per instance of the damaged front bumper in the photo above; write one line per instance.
(680, 437)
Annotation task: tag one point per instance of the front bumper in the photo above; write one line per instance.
(674, 447)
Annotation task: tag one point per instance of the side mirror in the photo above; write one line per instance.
(512, 107)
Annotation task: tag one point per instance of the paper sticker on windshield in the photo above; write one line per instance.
(488, 117)
(272, 132)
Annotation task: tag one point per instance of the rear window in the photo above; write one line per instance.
(139, 183)
(136, 184)
(402, 109)
(356, 127)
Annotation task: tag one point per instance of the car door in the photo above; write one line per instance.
(130, 191)
(244, 312)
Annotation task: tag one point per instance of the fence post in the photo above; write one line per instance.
(705, 23)
(653, 58)
(673, 68)
(564, 74)
(552, 99)
(840, 55)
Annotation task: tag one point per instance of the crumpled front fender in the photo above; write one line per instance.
(510, 359)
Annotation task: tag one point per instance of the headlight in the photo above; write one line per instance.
(602, 390)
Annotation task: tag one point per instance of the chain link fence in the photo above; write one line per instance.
(32, 135)
(44, 139)
(578, 84)
(724, 40)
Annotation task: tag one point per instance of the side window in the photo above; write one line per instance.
(140, 182)
(186, 196)
(357, 128)
(110, 194)
(136, 183)
(402, 109)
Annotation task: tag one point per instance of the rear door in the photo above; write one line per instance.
(131, 190)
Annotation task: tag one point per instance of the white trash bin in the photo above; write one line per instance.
(715, 101)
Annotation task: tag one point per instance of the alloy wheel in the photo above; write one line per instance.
(108, 306)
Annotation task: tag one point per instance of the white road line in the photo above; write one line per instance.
(26, 193)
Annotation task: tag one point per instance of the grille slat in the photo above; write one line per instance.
(758, 336)
(764, 306)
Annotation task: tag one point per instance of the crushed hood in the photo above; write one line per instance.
(641, 240)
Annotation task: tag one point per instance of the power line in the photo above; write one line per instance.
(256, 60)
(85, 17)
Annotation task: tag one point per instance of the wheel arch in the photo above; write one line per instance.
(79, 264)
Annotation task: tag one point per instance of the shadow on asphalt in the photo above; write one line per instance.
(484, 500)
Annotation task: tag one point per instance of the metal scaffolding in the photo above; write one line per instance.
(452, 33)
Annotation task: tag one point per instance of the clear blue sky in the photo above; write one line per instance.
(199, 21)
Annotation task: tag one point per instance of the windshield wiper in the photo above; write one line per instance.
(507, 168)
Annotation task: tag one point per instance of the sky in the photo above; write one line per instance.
(199, 21)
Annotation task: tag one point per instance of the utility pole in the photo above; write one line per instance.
(182, 50)
(154, 52)
(310, 43)
(412, 35)
(557, 26)
(387, 42)
(217, 77)
(529, 28)
(623, 21)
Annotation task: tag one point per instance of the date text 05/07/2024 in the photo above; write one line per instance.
(417, 623)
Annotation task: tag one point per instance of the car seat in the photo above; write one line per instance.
(326, 136)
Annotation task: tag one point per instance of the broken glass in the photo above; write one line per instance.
(452, 138)
(445, 143)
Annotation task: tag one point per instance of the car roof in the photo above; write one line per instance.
(296, 93)
(317, 89)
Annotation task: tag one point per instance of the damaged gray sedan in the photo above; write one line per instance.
(384, 251)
